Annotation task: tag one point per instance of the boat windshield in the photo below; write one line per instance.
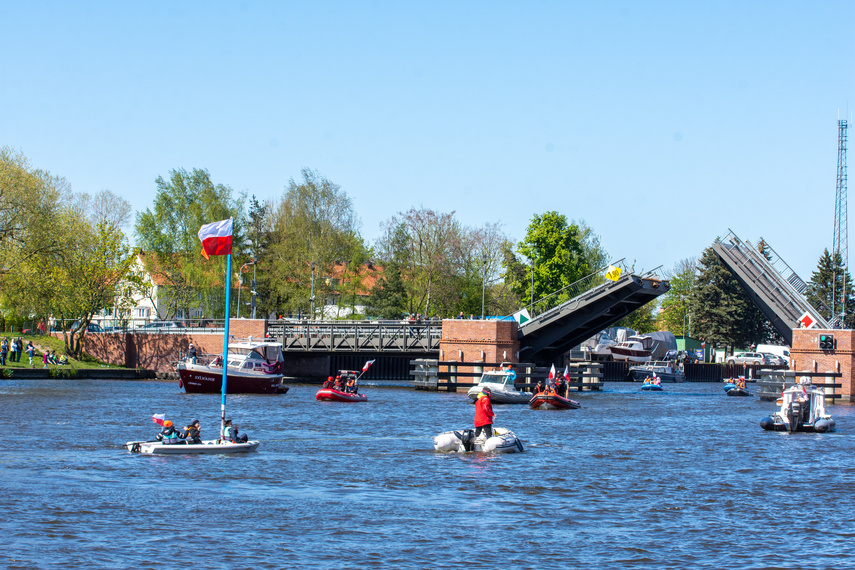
(267, 352)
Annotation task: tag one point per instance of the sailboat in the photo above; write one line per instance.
(216, 239)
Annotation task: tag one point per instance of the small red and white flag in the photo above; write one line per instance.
(552, 372)
(216, 238)
(704, 344)
(158, 419)
(367, 365)
(566, 372)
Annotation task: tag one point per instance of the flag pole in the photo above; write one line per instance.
(226, 342)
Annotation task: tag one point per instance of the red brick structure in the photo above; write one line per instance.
(479, 341)
(806, 355)
(158, 351)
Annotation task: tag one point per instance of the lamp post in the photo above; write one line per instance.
(483, 283)
(532, 285)
(240, 284)
(312, 298)
(254, 286)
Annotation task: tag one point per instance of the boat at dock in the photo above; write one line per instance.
(464, 441)
(502, 389)
(664, 370)
(634, 349)
(802, 409)
(254, 367)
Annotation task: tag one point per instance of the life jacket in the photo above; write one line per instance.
(169, 436)
(227, 433)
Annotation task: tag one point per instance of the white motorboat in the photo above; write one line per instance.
(802, 409)
(464, 440)
(254, 367)
(663, 370)
(212, 447)
(633, 349)
(502, 389)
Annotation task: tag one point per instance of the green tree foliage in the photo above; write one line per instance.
(314, 222)
(559, 254)
(168, 234)
(722, 313)
(675, 303)
(830, 289)
(388, 297)
(641, 320)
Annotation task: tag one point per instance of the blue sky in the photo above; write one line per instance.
(660, 124)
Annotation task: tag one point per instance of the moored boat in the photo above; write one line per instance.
(634, 349)
(665, 371)
(552, 401)
(254, 367)
(502, 389)
(464, 440)
(802, 409)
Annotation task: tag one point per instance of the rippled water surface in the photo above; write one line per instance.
(680, 479)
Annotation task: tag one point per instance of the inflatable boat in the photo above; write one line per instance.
(464, 441)
(739, 392)
(333, 395)
(552, 402)
(802, 409)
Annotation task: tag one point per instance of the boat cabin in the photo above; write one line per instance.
(496, 377)
(254, 356)
(805, 393)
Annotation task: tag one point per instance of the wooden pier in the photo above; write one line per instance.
(773, 382)
(451, 376)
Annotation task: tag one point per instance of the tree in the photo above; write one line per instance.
(831, 279)
(388, 297)
(722, 313)
(168, 235)
(556, 248)
(313, 223)
(675, 303)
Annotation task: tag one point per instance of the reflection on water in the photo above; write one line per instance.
(678, 479)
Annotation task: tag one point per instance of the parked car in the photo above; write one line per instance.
(747, 358)
(90, 328)
(162, 325)
(774, 359)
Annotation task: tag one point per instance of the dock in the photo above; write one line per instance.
(773, 382)
(451, 376)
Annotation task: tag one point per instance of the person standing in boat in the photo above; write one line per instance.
(191, 354)
(169, 435)
(193, 432)
(484, 413)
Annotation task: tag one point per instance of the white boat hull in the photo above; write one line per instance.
(462, 441)
(211, 447)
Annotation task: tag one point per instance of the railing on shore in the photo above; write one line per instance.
(773, 382)
(452, 376)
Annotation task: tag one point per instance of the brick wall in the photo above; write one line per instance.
(806, 355)
(159, 351)
(472, 341)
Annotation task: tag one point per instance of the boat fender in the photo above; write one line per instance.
(519, 445)
(767, 423)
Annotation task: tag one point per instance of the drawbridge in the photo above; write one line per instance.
(779, 293)
(567, 317)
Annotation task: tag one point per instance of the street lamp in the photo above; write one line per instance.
(312, 298)
(240, 284)
(483, 283)
(254, 286)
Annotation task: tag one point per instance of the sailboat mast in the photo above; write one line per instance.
(226, 342)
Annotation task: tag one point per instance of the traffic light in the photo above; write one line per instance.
(826, 342)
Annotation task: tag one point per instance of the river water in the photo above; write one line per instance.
(680, 479)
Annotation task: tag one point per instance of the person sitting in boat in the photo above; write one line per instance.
(230, 433)
(191, 354)
(237, 437)
(538, 388)
(740, 383)
(350, 387)
(169, 435)
(484, 413)
(193, 432)
(329, 383)
(337, 385)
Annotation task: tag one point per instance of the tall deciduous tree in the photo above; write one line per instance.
(675, 303)
(168, 235)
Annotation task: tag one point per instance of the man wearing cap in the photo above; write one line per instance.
(191, 353)
(193, 432)
(484, 413)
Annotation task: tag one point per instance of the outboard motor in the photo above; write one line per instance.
(794, 415)
(468, 439)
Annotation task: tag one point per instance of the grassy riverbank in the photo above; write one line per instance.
(44, 343)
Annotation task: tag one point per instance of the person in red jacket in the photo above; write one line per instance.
(484, 413)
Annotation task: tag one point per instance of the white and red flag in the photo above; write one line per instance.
(216, 238)
(158, 419)
(567, 372)
(552, 372)
(367, 365)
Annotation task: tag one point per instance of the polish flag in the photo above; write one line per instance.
(216, 238)
(158, 419)
(566, 372)
(367, 365)
(552, 372)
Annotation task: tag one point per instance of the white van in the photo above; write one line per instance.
(782, 351)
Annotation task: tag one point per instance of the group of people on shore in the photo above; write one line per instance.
(192, 433)
(351, 386)
(12, 351)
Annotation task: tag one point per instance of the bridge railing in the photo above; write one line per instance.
(344, 336)
(574, 290)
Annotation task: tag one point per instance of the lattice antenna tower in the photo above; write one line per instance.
(840, 248)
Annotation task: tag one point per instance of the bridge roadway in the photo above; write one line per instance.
(358, 336)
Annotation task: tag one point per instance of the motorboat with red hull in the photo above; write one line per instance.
(254, 367)
(552, 402)
(333, 395)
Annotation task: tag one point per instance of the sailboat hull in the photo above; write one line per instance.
(212, 447)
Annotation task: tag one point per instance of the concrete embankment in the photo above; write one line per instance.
(81, 373)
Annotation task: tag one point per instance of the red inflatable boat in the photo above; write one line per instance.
(333, 395)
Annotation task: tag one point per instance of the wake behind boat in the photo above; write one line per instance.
(254, 367)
